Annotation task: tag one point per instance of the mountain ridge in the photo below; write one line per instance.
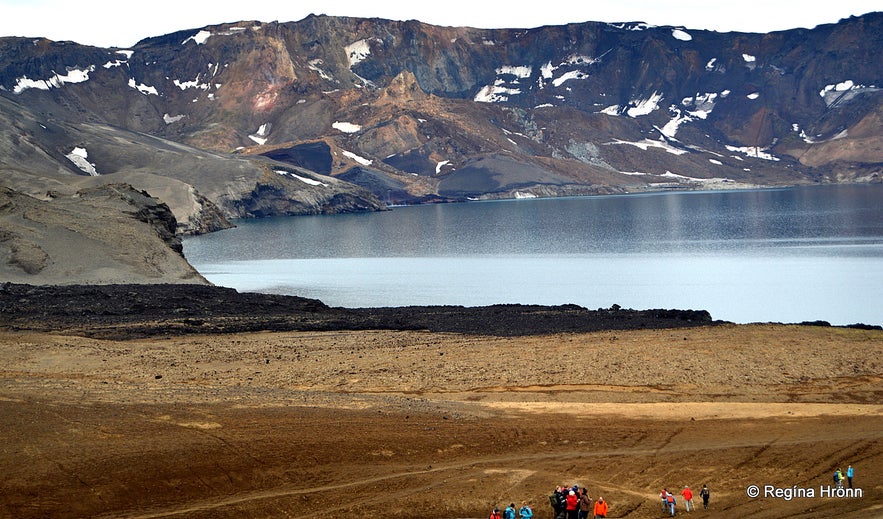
(371, 110)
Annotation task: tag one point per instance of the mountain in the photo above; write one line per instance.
(333, 114)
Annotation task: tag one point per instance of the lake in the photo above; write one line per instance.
(771, 255)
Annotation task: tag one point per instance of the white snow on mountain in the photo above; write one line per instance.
(199, 38)
(649, 143)
(184, 85)
(260, 136)
(645, 106)
(79, 156)
(346, 127)
(314, 65)
(495, 94)
(357, 51)
(169, 119)
(753, 151)
(361, 160)
(141, 87)
(73, 75)
(305, 180)
(680, 34)
(517, 71)
(843, 91)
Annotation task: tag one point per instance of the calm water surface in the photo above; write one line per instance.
(784, 255)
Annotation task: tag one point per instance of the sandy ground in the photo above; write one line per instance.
(434, 425)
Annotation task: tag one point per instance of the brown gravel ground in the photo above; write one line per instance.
(407, 424)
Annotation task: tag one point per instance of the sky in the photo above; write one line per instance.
(122, 23)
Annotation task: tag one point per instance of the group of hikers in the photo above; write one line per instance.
(839, 477)
(573, 502)
(568, 502)
(669, 501)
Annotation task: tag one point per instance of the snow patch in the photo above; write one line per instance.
(314, 66)
(517, 71)
(260, 136)
(649, 143)
(749, 58)
(357, 51)
(753, 151)
(199, 38)
(305, 180)
(521, 196)
(361, 160)
(645, 106)
(169, 119)
(74, 75)
(126, 53)
(346, 127)
(843, 91)
(573, 74)
(79, 157)
(144, 89)
(753, 95)
(495, 94)
(440, 165)
(680, 34)
(184, 85)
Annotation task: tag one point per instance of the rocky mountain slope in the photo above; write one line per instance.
(414, 112)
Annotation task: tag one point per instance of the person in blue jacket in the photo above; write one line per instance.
(525, 512)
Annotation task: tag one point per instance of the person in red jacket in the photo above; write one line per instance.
(688, 498)
(572, 505)
(495, 513)
(600, 508)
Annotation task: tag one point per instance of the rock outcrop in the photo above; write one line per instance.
(108, 234)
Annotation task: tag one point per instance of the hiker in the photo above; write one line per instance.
(670, 499)
(585, 504)
(705, 494)
(525, 512)
(838, 479)
(662, 497)
(849, 473)
(572, 504)
(509, 512)
(495, 513)
(600, 508)
(558, 503)
(688, 498)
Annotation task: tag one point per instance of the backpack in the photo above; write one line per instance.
(554, 500)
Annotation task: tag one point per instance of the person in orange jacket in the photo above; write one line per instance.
(600, 508)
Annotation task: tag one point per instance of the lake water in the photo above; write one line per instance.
(777, 255)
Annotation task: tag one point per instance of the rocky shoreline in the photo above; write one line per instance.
(128, 311)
